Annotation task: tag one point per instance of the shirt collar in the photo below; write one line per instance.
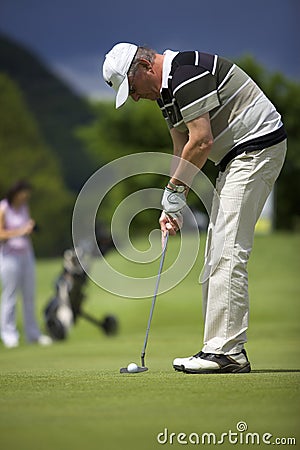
(169, 55)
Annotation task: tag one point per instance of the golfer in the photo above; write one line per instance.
(215, 111)
(17, 269)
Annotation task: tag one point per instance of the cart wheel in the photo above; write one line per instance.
(110, 325)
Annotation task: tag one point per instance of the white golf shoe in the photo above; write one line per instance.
(44, 340)
(213, 363)
(11, 344)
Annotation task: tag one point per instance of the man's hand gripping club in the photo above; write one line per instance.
(173, 202)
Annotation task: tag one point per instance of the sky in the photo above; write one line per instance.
(73, 36)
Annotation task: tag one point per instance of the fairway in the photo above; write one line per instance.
(71, 395)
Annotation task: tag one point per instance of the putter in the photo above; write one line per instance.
(143, 368)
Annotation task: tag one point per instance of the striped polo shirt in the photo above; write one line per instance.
(195, 83)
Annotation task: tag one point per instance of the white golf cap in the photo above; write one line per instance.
(115, 68)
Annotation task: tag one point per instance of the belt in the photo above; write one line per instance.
(251, 146)
(231, 155)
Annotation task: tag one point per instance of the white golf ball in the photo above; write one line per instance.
(132, 368)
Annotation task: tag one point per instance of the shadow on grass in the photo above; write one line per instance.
(275, 370)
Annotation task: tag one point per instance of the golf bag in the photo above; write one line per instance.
(63, 310)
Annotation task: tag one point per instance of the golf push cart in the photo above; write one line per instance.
(63, 310)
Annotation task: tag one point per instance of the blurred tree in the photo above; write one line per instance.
(132, 129)
(56, 109)
(285, 94)
(25, 156)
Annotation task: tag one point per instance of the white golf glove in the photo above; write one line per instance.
(173, 203)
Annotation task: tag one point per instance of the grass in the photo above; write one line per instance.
(71, 396)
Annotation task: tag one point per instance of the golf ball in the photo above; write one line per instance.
(132, 368)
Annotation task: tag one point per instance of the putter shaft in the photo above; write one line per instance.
(154, 299)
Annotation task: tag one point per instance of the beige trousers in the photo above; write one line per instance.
(241, 192)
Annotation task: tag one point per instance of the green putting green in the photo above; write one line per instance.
(71, 395)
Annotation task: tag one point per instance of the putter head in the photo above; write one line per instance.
(138, 370)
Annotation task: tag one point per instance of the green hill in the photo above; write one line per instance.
(57, 110)
(24, 155)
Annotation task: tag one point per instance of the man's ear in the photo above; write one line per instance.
(146, 64)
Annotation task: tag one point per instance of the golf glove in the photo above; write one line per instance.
(173, 203)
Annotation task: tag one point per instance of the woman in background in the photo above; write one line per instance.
(17, 266)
